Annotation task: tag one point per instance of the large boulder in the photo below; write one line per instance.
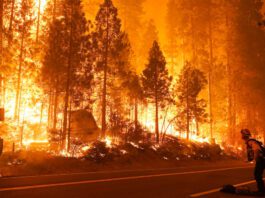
(84, 126)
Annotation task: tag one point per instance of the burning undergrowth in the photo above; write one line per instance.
(173, 149)
(110, 155)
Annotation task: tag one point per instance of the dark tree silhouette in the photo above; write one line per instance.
(191, 82)
(110, 43)
(156, 81)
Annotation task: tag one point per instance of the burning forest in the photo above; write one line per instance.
(96, 79)
(154, 91)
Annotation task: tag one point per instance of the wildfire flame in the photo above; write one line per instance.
(34, 113)
(41, 4)
(108, 141)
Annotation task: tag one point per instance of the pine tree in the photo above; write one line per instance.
(244, 64)
(23, 21)
(67, 58)
(191, 82)
(52, 12)
(109, 42)
(134, 92)
(195, 31)
(156, 82)
(76, 27)
(54, 65)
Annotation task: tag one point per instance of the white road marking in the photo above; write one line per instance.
(114, 179)
(92, 172)
(218, 189)
(103, 172)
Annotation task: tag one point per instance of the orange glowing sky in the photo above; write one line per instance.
(156, 10)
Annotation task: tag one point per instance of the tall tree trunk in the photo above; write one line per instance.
(135, 112)
(187, 109)
(55, 110)
(196, 117)
(10, 30)
(19, 107)
(69, 129)
(104, 95)
(194, 54)
(16, 115)
(234, 117)
(67, 87)
(55, 106)
(230, 98)
(103, 130)
(38, 23)
(53, 119)
(156, 107)
(49, 108)
(157, 120)
(210, 76)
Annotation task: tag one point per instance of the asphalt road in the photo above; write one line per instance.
(178, 182)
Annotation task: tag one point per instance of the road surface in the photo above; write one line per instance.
(178, 182)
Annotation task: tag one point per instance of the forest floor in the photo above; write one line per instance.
(127, 156)
(40, 164)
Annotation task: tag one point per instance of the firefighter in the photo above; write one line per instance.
(256, 152)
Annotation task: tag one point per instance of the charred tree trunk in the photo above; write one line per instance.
(55, 110)
(10, 36)
(196, 116)
(135, 112)
(234, 116)
(156, 107)
(104, 91)
(187, 109)
(53, 119)
(16, 115)
(194, 57)
(68, 81)
(55, 106)
(231, 125)
(210, 76)
(163, 125)
(69, 129)
(38, 23)
(231, 115)
(156, 120)
(103, 130)
(49, 108)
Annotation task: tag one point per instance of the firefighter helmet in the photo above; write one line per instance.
(245, 133)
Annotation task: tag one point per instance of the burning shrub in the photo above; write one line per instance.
(118, 124)
(201, 151)
(135, 134)
(99, 152)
